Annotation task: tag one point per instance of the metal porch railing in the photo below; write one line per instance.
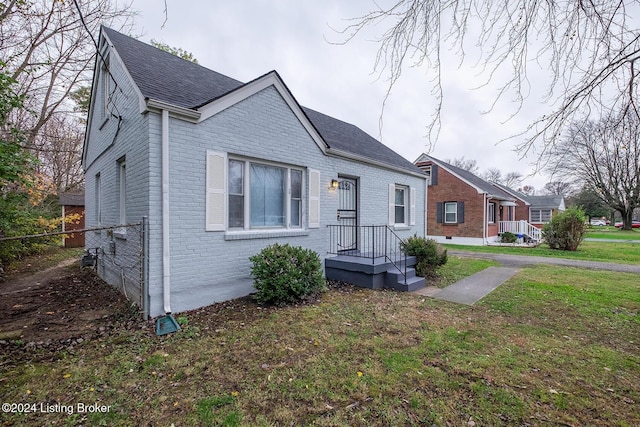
(368, 242)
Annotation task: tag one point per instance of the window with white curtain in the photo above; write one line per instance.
(263, 195)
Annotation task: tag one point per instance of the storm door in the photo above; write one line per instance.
(348, 215)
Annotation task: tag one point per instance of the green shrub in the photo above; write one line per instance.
(508, 237)
(284, 274)
(429, 254)
(566, 230)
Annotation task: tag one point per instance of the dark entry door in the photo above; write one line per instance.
(348, 214)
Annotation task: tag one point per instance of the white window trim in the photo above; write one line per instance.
(539, 219)
(455, 212)
(247, 197)
(491, 213)
(405, 191)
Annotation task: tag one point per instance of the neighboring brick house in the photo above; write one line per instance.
(463, 208)
(222, 169)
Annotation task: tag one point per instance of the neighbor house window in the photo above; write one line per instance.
(401, 205)
(491, 213)
(263, 195)
(451, 212)
(539, 216)
(427, 171)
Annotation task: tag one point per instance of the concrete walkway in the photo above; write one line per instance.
(475, 287)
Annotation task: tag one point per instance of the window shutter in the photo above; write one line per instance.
(460, 212)
(314, 198)
(434, 174)
(392, 204)
(412, 204)
(439, 208)
(216, 197)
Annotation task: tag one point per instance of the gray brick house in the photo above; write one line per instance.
(222, 169)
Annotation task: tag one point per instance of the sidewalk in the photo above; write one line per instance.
(475, 287)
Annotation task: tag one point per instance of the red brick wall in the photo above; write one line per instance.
(452, 189)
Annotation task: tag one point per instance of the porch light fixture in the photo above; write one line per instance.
(334, 184)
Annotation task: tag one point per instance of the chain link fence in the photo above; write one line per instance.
(116, 253)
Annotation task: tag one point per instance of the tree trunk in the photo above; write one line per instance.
(627, 219)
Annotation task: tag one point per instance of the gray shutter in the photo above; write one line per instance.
(216, 197)
(439, 208)
(460, 212)
(434, 174)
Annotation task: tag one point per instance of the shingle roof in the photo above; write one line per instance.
(165, 77)
(549, 202)
(71, 199)
(476, 181)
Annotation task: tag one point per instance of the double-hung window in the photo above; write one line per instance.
(401, 205)
(263, 195)
(451, 212)
(491, 213)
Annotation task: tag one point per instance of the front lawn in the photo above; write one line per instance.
(552, 346)
(612, 233)
(623, 253)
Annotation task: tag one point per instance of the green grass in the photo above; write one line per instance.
(622, 253)
(457, 269)
(552, 346)
(612, 233)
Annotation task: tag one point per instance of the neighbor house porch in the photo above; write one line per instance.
(524, 230)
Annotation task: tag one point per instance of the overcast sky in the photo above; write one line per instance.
(247, 38)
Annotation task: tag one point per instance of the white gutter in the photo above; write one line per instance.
(166, 267)
(485, 226)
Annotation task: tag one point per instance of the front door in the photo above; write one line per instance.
(347, 214)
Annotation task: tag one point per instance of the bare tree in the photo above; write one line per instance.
(492, 175)
(511, 179)
(48, 47)
(590, 50)
(466, 164)
(606, 156)
(558, 188)
(527, 190)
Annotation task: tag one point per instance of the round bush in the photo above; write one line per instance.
(429, 254)
(508, 237)
(566, 230)
(284, 274)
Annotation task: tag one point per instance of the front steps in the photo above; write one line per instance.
(373, 273)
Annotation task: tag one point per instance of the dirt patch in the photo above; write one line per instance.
(55, 309)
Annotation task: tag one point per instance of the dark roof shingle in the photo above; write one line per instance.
(165, 77)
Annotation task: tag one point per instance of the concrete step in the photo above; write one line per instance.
(412, 284)
(395, 280)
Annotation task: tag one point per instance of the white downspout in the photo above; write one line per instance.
(484, 219)
(166, 267)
